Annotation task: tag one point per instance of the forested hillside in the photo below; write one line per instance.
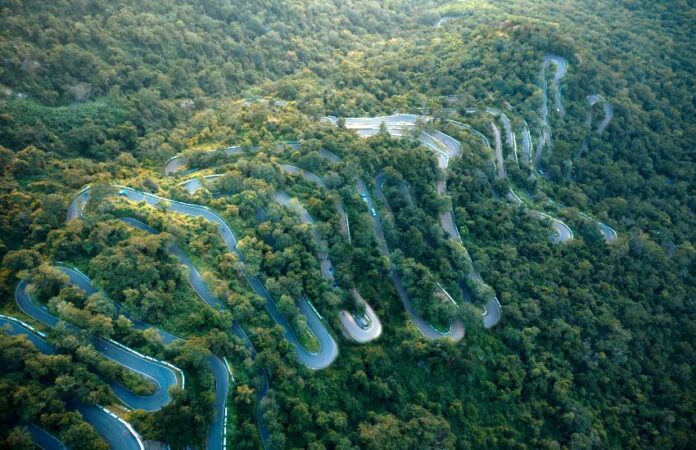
(211, 239)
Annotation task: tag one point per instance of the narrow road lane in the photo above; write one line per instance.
(160, 374)
(500, 163)
(329, 348)
(119, 434)
(309, 176)
(456, 331)
(216, 435)
(43, 439)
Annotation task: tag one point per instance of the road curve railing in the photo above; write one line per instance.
(217, 435)
(493, 311)
(456, 330)
(445, 148)
(163, 375)
(313, 360)
(216, 438)
(117, 433)
(361, 327)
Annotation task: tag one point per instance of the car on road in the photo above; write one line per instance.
(362, 321)
(123, 192)
(364, 197)
(373, 212)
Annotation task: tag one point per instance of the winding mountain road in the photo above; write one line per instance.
(563, 231)
(115, 431)
(445, 147)
(396, 125)
(456, 331)
(216, 435)
(176, 163)
(81, 280)
(500, 164)
(493, 310)
(329, 348)
(359, 327)
(608, 112)
(561, 67)
(118, 433)
(325, 263)
(43, 439)
(545, 137)
(607, 232)
(309, 176)
(195, 184)
(162, 375)
(465, 126)
(362, 328)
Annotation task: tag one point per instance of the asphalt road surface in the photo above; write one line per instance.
(309, 176)
(162, 376)
(456, 331)
(117, 433)
(362, 328)
(43, 439)
(329, 348)
(222, 382)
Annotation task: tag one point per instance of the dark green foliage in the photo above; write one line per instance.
(34, 387)
(595, 346)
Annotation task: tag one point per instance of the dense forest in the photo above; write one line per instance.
(291, 220)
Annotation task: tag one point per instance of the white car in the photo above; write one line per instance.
(373, 212)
